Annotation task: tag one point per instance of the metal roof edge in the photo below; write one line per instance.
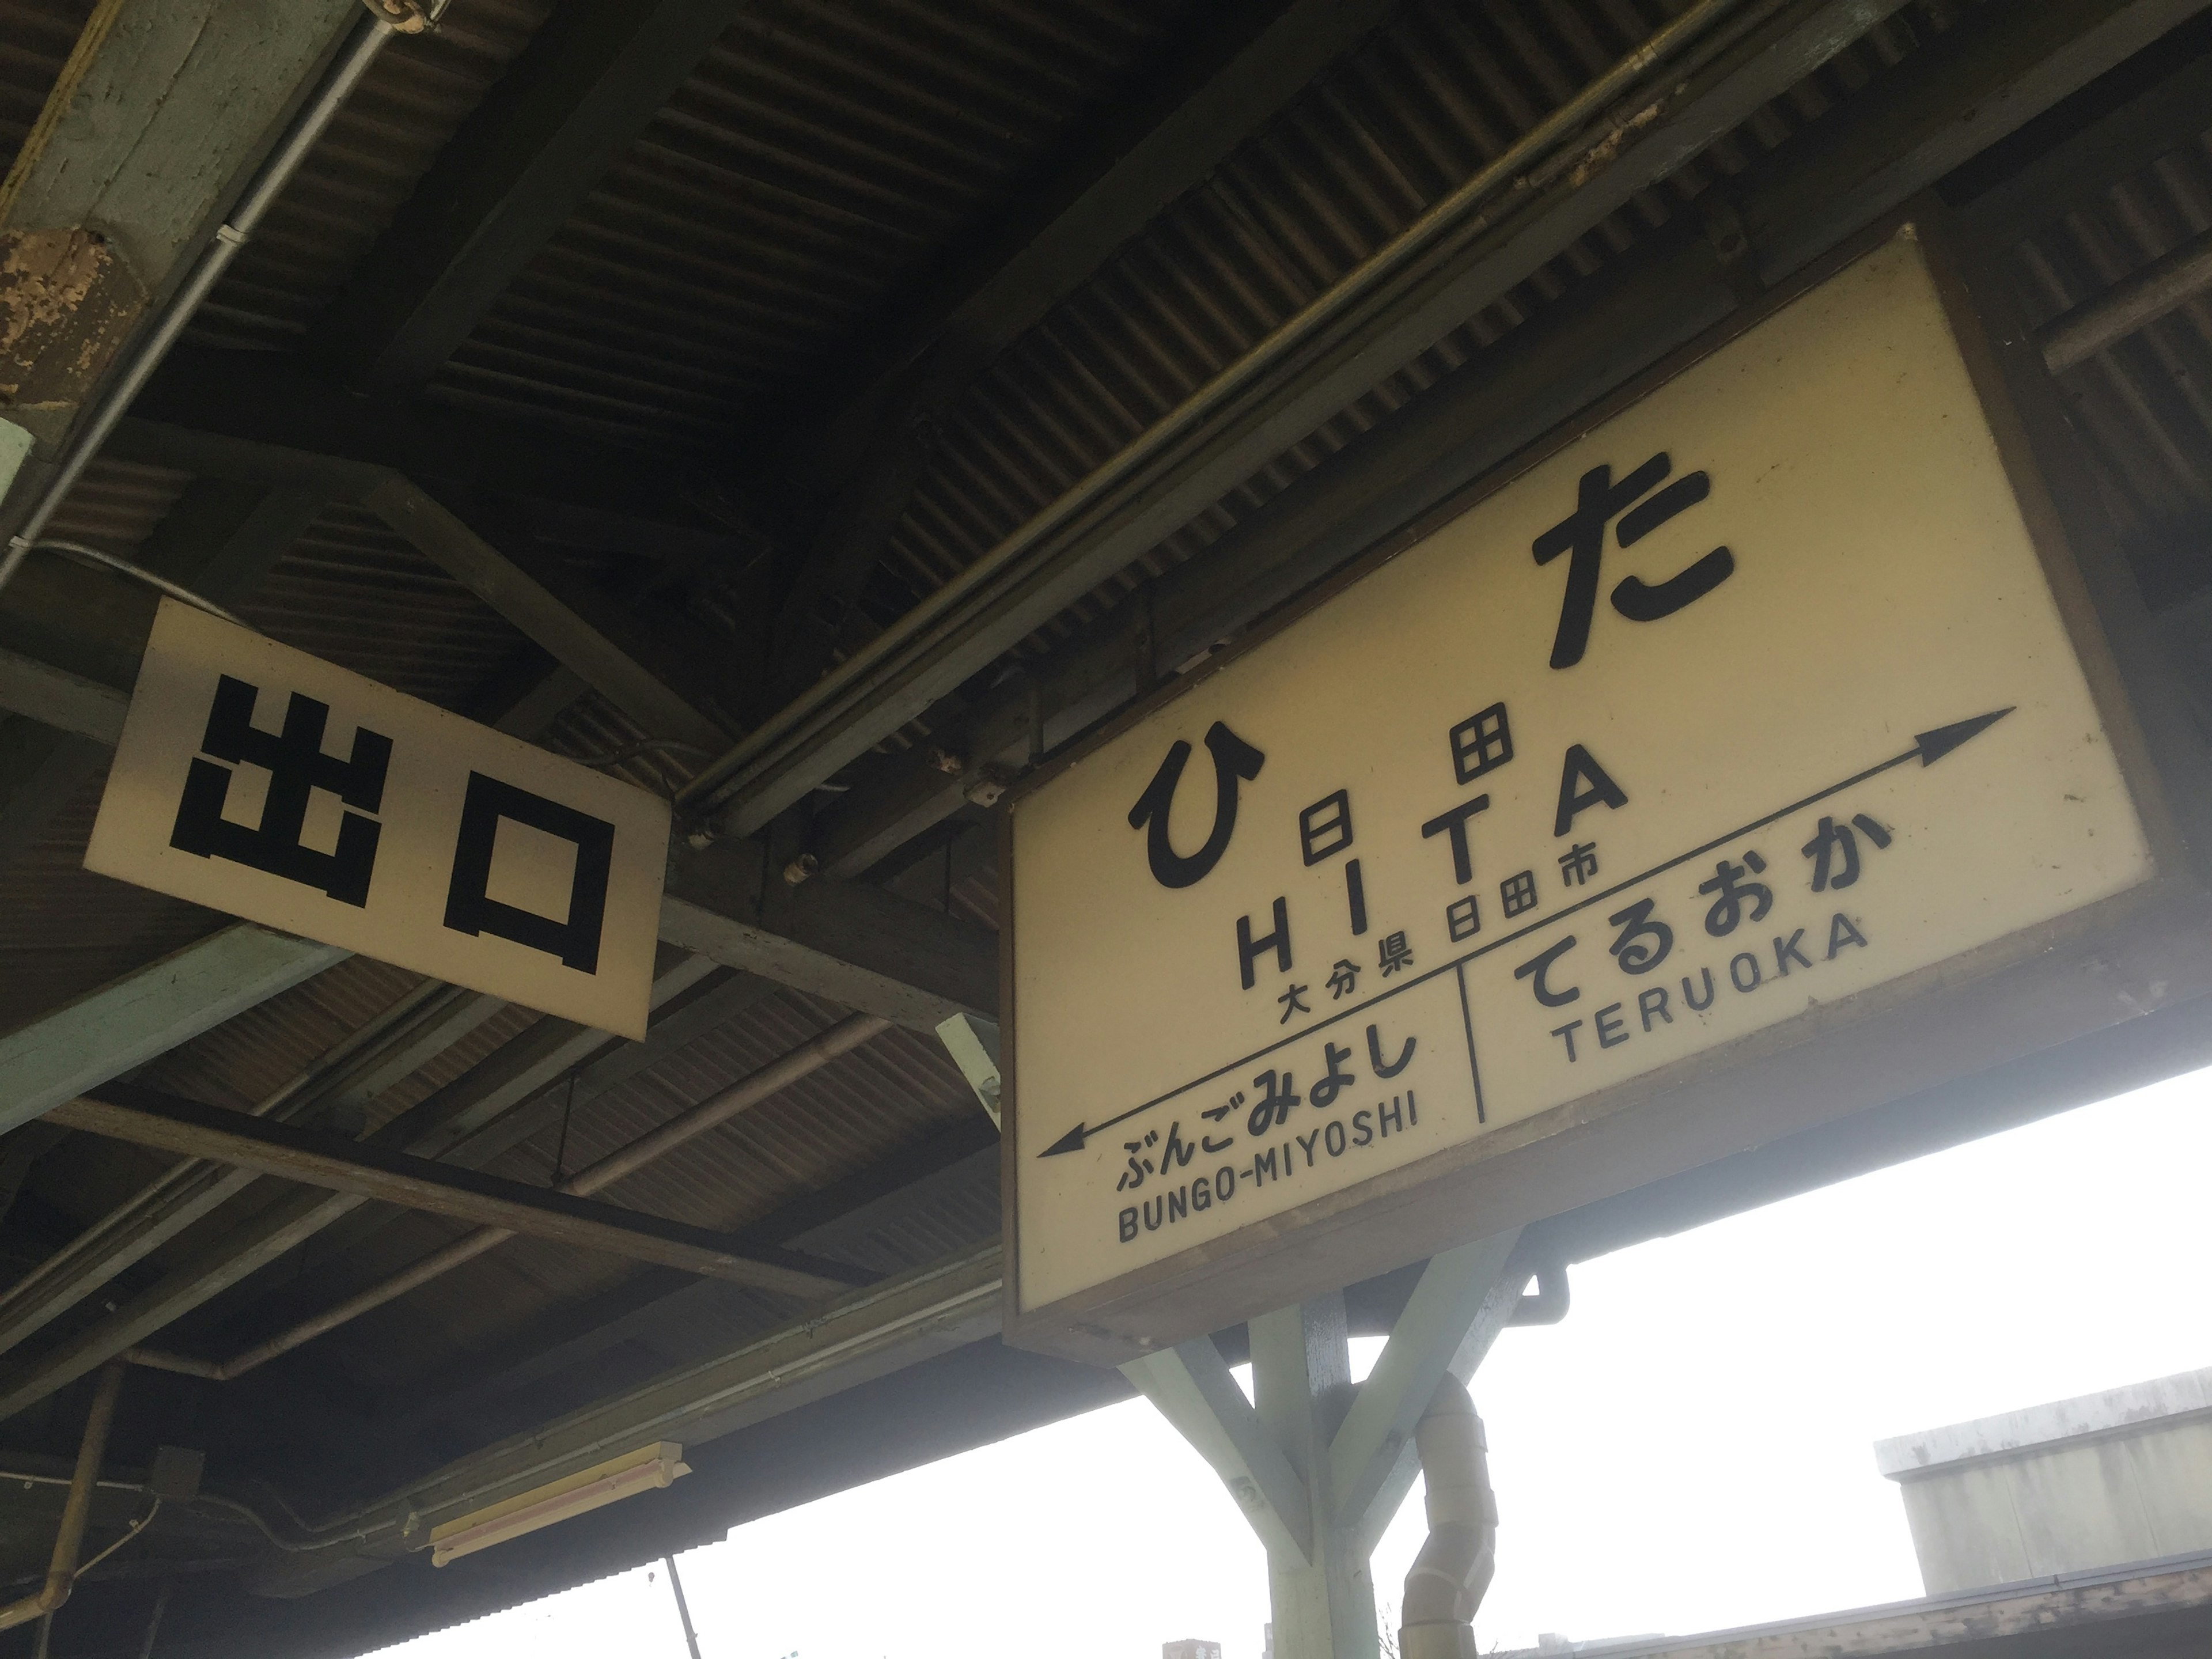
(2171, 1566)
(2162, 1402)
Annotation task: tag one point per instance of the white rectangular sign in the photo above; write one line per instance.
(260, 781)
(1753, 697)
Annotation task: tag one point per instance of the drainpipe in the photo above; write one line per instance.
(1548, 1306)
(1453, 1570)
(69, 1542)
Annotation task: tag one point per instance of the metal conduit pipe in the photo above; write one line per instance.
(1548, 1306)
(1449, 1577)
(76, 1510)
(716, 1109)
(145, 354)
(2167, 283)
(829, 722)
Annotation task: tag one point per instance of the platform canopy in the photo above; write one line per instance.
(822, 418)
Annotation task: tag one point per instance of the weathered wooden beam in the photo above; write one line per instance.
(571, 104)
(679, 1022)
(146, 1117)
(1968, 89)
(147, 1013)
(667, 1311)
(432, 1128)
(861, 946)
(1459, 1304)
(597, 642)
(68, 702)
(395, 1044)
(664, 672)
(149, 136)
(200, 395)
(1191, 1385)
(1942, 108)
(1208, 95)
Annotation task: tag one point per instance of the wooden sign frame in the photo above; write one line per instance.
(2145, 949)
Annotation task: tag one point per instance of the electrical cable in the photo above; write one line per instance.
(208, 1498)
(101, 559)
(137, 1526)
(633, 752)
(131, 1532)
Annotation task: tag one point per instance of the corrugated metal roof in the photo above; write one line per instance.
(861, 1107)
(35, 38)
(812, 164)
(819, 158)
(117, 505)
(810, 172)
(355, 593)
(1439, 90)
(414, 98)
(2144, 404)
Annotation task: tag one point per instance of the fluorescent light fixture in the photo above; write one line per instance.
(645, 1469)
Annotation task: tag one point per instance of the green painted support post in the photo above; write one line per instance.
(1318, 1465)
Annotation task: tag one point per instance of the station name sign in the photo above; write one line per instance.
(1745, 715)
(260, 781)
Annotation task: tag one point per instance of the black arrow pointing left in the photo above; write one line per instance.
(1927, 748)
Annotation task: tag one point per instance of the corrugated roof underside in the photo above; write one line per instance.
(36, 40)
(2143, 406)
(809, 170)
(816, 162)
(354, 592)
(1439, 90)
(850, 1115)
(408, 105)
(351, 591)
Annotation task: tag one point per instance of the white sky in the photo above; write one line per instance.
(1691, 1450)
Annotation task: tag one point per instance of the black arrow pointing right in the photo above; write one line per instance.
(1927, 748)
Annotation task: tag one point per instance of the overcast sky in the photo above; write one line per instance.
(1691, 1450)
